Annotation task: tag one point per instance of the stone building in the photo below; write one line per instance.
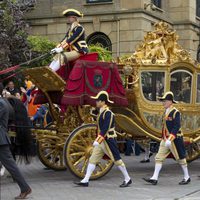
(119, 24)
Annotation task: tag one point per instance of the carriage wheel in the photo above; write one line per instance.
(77, 151)
(50, 153)
(193, 151)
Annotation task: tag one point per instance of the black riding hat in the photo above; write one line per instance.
(168, 96)
(72, 12)
(102, 96)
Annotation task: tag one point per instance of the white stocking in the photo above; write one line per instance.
(185, 171)
(90, 169)
(55, 65)
(158, 167)
(125, 173)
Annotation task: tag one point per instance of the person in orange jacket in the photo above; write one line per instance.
(28, 100)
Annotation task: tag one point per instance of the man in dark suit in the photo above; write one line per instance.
(6, 157)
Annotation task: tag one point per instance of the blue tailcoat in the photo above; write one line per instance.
(106, 121)
(172, 125)
(76, 39)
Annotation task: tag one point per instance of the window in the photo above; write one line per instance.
(153, 84)
(97, 1)
(157, 3)
(181, 86)
(198, 8)
(101, 39)
(198, 89)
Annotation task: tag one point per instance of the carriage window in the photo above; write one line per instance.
(152, 84)
(198, 88)
(181, 86)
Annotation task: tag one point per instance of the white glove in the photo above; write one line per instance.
(53, 50)
(168, 143)
(57, 50)
(95, 144)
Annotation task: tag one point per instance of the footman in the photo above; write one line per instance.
(172, 140)
(105, 142)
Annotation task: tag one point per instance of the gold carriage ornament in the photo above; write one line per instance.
(159, 47)
(159, 64)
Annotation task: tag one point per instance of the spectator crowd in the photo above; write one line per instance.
(27, 94)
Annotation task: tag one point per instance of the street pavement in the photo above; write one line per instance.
(51, 185)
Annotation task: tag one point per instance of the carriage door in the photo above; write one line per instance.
(181, 81)
(181, 86)
(152, 84)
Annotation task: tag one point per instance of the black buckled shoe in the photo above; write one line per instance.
(82, 184)
(152, 181)
(124, 184)
(185, 182)
(145, 161)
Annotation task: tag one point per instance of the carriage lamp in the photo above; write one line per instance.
(131, 76)
(127, 70)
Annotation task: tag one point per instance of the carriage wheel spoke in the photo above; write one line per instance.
(79, 160)
(47, 146)
(78, 146)
(54, 156)
(83, 140)
(77, 154)
(50, 153)
(100, 166)
(84, 166)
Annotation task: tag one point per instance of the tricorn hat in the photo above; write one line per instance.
(102, 96)
(168, 96)
(72, 12)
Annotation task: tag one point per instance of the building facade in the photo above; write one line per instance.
(119, 25)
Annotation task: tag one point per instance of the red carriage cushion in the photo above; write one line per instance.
(64, 72)
(90, 57)
(88, 78)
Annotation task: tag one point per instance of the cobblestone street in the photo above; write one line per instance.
(51, 185)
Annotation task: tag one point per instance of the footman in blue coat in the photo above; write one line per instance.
(105, 142)
(172, 140)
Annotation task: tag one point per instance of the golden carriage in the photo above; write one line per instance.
(158, 65)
